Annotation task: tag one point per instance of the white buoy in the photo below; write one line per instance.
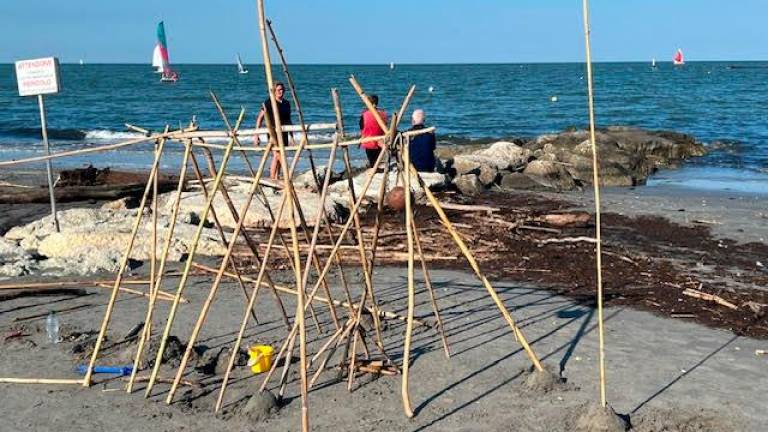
(553, 98)
(431, 89)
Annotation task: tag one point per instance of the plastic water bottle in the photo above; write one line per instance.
(52, 327)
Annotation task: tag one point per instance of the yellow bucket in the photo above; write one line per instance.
(260, 358)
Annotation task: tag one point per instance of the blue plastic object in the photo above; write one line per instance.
(116, 370)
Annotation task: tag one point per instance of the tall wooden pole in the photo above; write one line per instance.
(288, 185)
(596, 188)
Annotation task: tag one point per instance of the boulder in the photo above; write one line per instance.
(507, 155)
(551, 174)
(520, 181)
(469, 184)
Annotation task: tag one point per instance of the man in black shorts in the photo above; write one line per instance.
(284, 110)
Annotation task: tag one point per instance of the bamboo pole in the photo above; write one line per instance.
(188, 266)
(296, 100)
(294, 237)
(153, 258)
(249, 132)
(279, 288)
(220, 228)
(146, 332)
(220, 274)
(40, 381)
(123, 264)
(411, 289)
(84, 151)
(212, 293)
(473, 263)
(596, 188)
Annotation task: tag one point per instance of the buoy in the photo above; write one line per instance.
(431, 89)
(553, 98)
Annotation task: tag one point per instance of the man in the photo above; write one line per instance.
(284, 111)
(369, 127)
(422, 148)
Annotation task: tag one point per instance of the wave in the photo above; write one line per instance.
(110, 135)
(57, 134)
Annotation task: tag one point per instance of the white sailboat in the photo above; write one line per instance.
(653, 63)
(157, 59)
(240, 68)
(391, 65)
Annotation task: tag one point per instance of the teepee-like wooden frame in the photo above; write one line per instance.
(347, 335)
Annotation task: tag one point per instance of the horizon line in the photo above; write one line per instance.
(409, 63)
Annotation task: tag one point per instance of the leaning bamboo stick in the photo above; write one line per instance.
(294, 236)
(188, 266)
(411, 289)
(123, 264)
(280, 288)
(217, 281)
(596, 187)
(41, 381)
(473, 263)
(161, 268)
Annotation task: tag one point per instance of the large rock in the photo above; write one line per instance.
(507, 155)
(469, 184)
(339, 191)
(550, 173)
(258, 214)
(627, 155)
(94, 240)
(520, 181)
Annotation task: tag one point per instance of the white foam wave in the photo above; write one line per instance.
(105, 135)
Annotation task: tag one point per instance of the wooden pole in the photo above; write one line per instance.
(596, 188)
(146, 331)
(123, 264)
(295, 96)
(188, 265)
(294, 237)
(411, 290)
(473, 263)
(40, 381)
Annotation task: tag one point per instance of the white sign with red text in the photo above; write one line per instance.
(38, 76)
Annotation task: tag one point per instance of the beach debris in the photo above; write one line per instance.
(759, 352)
(690, 292)
(570, 220)
(396, 199)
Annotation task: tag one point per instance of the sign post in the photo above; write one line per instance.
(40, 77)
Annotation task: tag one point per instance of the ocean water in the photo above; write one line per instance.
(722, 104)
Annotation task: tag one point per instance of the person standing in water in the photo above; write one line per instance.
(284, 111)
(369, 127)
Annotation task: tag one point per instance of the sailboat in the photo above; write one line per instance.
(679, 60)
(391, 65)
(653, 63)
(240, 68)
(160, 58)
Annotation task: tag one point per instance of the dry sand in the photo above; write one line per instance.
(666, 374)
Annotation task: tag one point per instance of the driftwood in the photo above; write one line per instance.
(573, 219)
(690, 292)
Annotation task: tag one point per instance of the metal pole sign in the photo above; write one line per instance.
(38, 77)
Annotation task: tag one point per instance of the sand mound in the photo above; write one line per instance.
(683, 420)
(543, 382)
(259, 407)
(595, 418)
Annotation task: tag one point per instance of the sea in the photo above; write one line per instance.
(722, 104)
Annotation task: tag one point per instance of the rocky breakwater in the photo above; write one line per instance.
(560, 162)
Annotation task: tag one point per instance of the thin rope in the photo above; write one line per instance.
(596, 185)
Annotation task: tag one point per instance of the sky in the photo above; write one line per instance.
(400, 31)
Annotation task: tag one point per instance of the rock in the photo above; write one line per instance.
(488, 175)
(14, 260)
(260, 407)
(94, 240)
(469, 184)
(339, 191)
(520, 181)
(507, 155)
(551, 174)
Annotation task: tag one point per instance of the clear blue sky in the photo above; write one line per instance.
(403, 31)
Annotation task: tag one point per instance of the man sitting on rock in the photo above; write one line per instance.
(422, 146)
